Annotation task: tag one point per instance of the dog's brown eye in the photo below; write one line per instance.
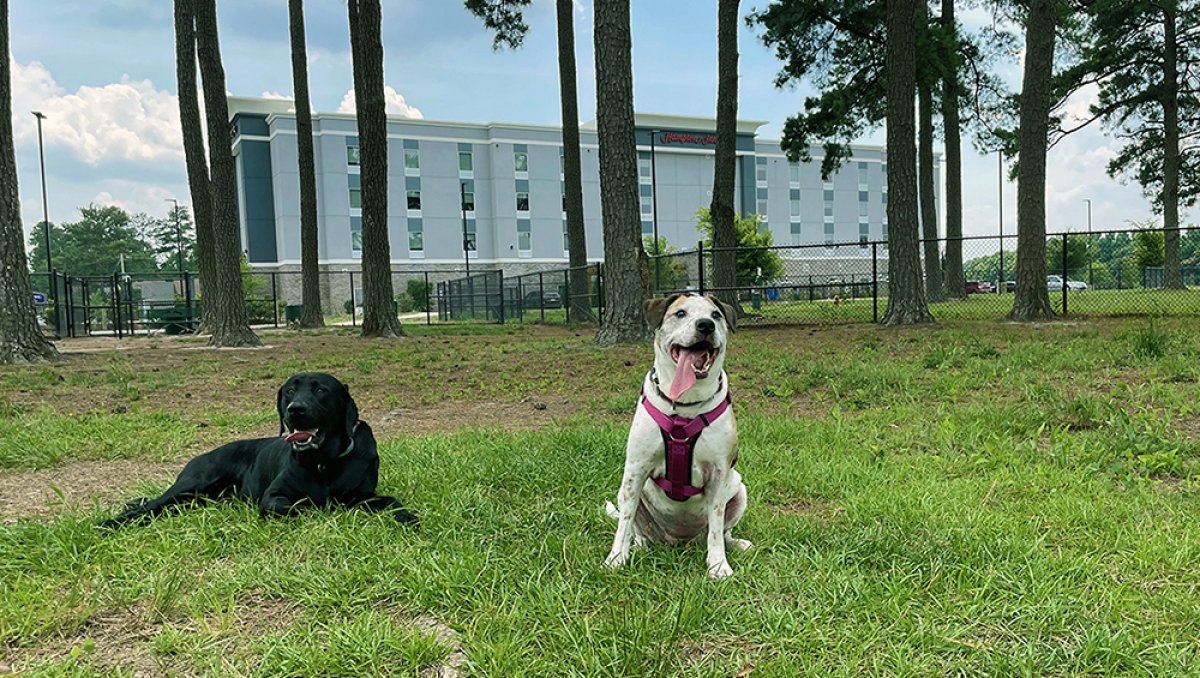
(680, 313)
(716, 315)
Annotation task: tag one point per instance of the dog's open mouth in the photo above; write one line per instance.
(301, 439)
(691, 363)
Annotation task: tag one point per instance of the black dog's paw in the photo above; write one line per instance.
(404, 517)
(135, 504)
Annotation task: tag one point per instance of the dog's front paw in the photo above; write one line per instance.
(720, 571)
(740, 544)
(616, 559)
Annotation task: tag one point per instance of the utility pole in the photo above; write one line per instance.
(45, 205)
(178, 235)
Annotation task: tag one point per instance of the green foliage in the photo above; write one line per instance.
(419, 293)
(988, 267)
(754, 260)
(94, 245)
(165, 238)
(1148, 248)
(1079, 254)
(504, 17)
(669, 270)
(1148, 342)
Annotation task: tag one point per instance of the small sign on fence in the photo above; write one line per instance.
(39, 298)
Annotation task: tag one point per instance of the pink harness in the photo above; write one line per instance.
(679, 438)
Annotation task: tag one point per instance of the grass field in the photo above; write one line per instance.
(974, 498)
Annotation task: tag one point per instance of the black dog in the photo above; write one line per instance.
(327, 458)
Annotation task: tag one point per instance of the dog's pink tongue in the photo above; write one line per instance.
(685, 375)
(300, 437)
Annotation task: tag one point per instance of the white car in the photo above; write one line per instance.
(1054, 283)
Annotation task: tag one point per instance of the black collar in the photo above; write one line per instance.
(676, 403)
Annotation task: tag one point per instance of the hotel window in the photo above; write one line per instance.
(356, 198)
(416, 236)
(647, 205)
(796, 233)
(521, 162)
(522, 201)
(356, 235)
(470, 242)
(352, 155)
(862, 174)
(884, 169)
(647, 229)
(795, 200)
(862, 203)
(412, 159)
(644, 167)
(761, 204)
(414, 200)
(465, 162)
(468, 201)
(562, 163)
(566, 240)
(524, 237)
(828, 204)
(794, 173)
(864, 234)
(760, 171)
(828, 233)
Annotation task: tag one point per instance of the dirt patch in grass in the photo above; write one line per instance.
(76, 485)
(531, 413)
(818, 509)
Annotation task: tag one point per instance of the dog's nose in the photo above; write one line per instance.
(296, 409)
(706, 326)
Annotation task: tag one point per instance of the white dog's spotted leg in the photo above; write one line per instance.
(718, 566)
(627, 502)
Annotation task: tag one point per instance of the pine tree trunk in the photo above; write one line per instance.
(934, 289)
(626, 273)
(1172, 265)
(379, 311)
(906, 292)
(199, 185)
(579, 305)
(955, 282)
(724, 274)
(310, 276)
(21, 339)
(225, 301)
(1032, 300)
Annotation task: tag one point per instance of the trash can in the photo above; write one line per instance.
(293, 312)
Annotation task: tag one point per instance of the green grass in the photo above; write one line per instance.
(978, 498)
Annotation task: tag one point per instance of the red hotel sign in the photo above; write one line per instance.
(688, 138)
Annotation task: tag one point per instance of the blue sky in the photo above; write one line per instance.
(104, 74)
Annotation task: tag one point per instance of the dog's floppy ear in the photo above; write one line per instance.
(279, 406)
(351, 410)
(728, 312)
(656, 308)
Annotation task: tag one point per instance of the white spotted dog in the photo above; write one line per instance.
(679, 480)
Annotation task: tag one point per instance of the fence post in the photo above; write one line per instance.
(353, 311)
(810, 290)
(600, 292)
(541, 296)
(428, 302)
(1064, 273)
(874, 282)
(275, 297)
(501, 295)
(116, 305)
(700, 263)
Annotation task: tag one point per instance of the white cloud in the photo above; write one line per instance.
(396, 105)
(136, 197)
(276, 95)
(127, 120)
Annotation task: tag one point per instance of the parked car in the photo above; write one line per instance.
(549, 299)
(979, 287)
(1010, 285)
(1076, 285)
(1054, 283)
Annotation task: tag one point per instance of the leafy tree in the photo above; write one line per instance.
(1142, 54)
(170, 242)
(1079, 254)
(21, 340)
(199, 185)
(224, 300)
(988, 268)
(724, 229)
(1032, 298)
(754, 258)
(366, 46)
(310, 275)
(627, 275)
(1149, 248)
(506, 18)
(96, 243)
(672, 271)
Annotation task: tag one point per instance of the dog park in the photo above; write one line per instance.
(976, 497)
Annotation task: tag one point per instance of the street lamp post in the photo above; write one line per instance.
(178, 236)
(654, 208)
(45, 205)
(1002, 284)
